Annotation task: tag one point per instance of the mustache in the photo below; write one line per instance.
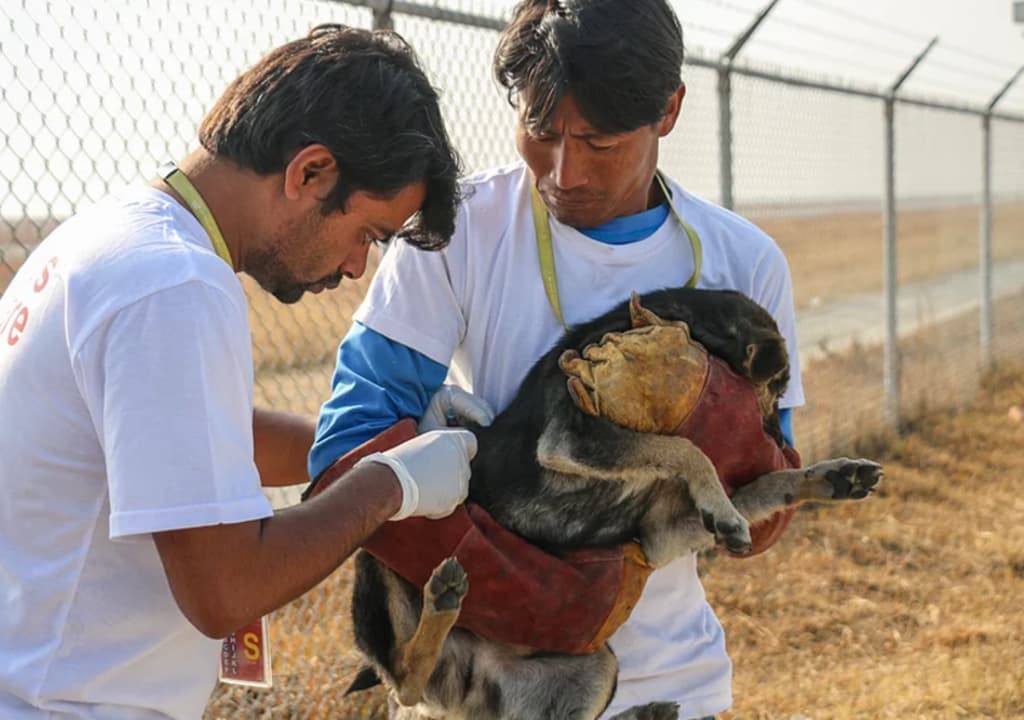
(332, 279)
(571, 198)
(294, 293)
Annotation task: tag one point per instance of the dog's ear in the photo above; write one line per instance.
(640, 317)
(766, 359)
(364, 680)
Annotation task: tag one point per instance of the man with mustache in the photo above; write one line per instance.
(133, 529)
(585, 219)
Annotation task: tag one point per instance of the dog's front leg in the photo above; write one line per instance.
(672, 468)
(834, 480)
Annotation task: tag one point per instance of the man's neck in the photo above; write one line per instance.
(655, 196)
(223, 187)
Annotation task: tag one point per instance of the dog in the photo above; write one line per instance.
(600, 484)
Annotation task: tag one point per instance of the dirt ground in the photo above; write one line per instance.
(905, 605)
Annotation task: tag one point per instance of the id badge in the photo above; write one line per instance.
(245, 656)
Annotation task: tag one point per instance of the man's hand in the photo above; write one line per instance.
(451, 405)
(433, 470)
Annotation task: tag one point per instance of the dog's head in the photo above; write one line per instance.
(738, 330)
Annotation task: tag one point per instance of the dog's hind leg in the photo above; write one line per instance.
(504, 684)
(827, 481)
(414, 661)
(642, 461)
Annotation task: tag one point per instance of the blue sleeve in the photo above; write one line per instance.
(377, 382)
(786, 423)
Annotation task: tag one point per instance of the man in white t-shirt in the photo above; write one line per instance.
(596, 84)
(133, 529)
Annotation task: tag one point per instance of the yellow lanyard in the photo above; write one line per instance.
(547, 256)
(184, 187)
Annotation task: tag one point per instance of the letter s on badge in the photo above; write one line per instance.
(252, 646)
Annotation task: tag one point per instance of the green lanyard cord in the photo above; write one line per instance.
(546, 253)
(179, 181)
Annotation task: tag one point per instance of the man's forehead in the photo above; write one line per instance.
(564, 119)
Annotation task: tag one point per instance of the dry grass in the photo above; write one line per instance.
(940, 369)
(905, 606)
(841, 254)
(313, 660)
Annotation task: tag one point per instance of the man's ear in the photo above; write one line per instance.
(675, 103)
(311, 173)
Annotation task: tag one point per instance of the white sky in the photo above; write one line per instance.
(90, 96)
(979, 47)
(863, 41)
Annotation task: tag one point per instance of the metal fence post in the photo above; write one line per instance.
(382, 18)
(725, 105)
(985, 250)
(891, 372)
(384, 10)
(891, 381)
(725, 134)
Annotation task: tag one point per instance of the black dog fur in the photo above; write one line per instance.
(518, 478)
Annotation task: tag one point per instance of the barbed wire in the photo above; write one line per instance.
(721, 32)
(805, 52)
(939, 64)
(868, 21)
(903, 32)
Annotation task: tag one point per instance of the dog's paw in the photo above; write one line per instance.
(847, 479)
(730, 529)
(447, 586)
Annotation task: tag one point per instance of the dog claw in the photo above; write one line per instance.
(854, 479)
(447, 586)
(845, 479)
(709, 521)
(734, 535)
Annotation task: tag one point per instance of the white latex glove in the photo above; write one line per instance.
(452, 406)
(433, 470)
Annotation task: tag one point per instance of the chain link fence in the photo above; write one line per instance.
(93, 96)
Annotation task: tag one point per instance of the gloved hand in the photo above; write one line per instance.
(451, 406)
(433, 470)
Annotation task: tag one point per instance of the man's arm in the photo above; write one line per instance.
(376, 383)
(224, 576)
(176, 423)
(281, 446)
(786, 425)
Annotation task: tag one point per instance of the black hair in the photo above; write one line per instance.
(363, 95)
(621, 60)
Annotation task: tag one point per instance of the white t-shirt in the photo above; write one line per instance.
(125, 409)
(480, 306)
